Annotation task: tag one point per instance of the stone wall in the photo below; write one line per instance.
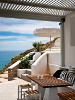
(12, 73)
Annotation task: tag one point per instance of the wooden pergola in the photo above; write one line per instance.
(54, 10)
(47, 10)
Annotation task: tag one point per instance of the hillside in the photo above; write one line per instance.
(54, 44)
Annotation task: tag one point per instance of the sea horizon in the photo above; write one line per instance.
(6, 55)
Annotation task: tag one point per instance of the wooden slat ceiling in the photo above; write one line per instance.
(57, 8)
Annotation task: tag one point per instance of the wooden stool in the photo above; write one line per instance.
(67, 95)
(32, 94)
(20, 89)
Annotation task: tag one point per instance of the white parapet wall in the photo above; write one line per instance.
(35, 57)
(15, 64)
(54, 58)
(12, 70)
(39, 66)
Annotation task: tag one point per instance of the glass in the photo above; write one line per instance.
(37, 76)
(41, 76)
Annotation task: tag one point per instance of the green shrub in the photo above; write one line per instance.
(37, 45)
(25, 63)
(18, 57)
(31, 56)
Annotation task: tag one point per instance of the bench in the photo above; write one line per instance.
(67, 95)
(69, 77)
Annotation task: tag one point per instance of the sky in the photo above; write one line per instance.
(17, 34)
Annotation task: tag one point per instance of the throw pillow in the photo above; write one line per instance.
(57, 73)
(70, 78)
(63, 75)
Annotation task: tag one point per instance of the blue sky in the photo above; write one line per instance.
(17, 34)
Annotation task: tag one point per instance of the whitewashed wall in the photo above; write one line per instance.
(54, 58)
(69, 34)
(39, 66)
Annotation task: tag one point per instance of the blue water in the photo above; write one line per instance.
(5, 57)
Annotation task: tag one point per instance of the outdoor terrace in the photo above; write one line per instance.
(12, 86)
(62, 11)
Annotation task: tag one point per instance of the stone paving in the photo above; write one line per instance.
(9, 90)
(4, 77)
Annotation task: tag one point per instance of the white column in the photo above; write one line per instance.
(62, 44)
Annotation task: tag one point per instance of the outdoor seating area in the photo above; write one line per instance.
(48, 82)
(45, 83)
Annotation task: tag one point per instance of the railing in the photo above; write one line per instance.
(12, 70)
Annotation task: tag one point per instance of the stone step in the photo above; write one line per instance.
(24, 77)
(28, 71)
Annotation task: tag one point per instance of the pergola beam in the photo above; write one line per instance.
(25, 3)
(28, 15)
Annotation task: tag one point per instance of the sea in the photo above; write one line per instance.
(5, 57)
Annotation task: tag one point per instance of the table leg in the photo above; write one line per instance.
(51, 94)
(21, 92)
(18, 91)
(40, 90)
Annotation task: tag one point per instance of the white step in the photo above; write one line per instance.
(28, 71)
(24, 77)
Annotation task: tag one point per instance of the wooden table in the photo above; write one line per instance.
(49, 82)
